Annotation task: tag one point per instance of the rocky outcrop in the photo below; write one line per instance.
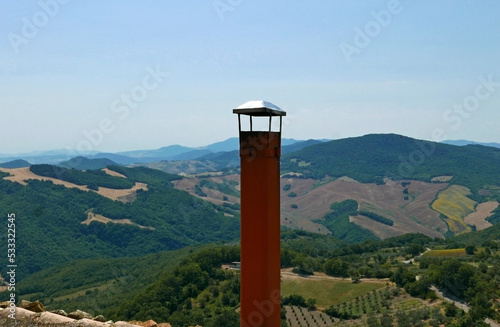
(60, 312)
(36, 306)
(79, 314)
(149, 323)
(33, 314)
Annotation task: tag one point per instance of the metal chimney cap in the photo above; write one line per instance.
(259, 108)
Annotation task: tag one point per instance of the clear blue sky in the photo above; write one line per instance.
(120, 75)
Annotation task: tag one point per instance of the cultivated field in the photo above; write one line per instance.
(212, 195)
(298, 317)
(325, 289)
(449, 253)
(409, 206)
(478, 217)
(350, 303)
(413, 215)
(455, 205)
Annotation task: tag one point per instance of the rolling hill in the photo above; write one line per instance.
(371, 158)
(138, 210)
(406, 181)
(401, 185)
(83, 163)
(95, 239)
(18, 163)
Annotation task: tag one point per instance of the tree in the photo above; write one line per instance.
(481, 308)
(415, 249)
(228, 318)
(332, 312)
(464, 277)
(386, 320)
(450, 309)
(437, 315)
(483, 267)
(403, 319)
(372, 320)
(336, 267)
(311, 304)
(304, 265)
(470, 249)
(403, 276)
(294, 299)
(419, 288)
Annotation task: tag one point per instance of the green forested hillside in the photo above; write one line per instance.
(161, 286)
(49, 218)
(98, 285)
(482, 237)
(370, 158)
(164, 272)
(339, 225)
(495, 218)
(170, 298)
(188, 287)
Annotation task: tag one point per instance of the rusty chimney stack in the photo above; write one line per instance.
(260, 153)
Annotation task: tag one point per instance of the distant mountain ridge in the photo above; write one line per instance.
(18, 163)
(465, 142)
(171, 152)
(179, 152)
(83, 163)
(218, 160)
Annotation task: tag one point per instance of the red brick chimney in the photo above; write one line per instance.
(260, 153)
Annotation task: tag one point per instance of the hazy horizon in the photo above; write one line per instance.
(125, 75)
(76, 153)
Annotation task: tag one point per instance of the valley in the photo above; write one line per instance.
(137, 243)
